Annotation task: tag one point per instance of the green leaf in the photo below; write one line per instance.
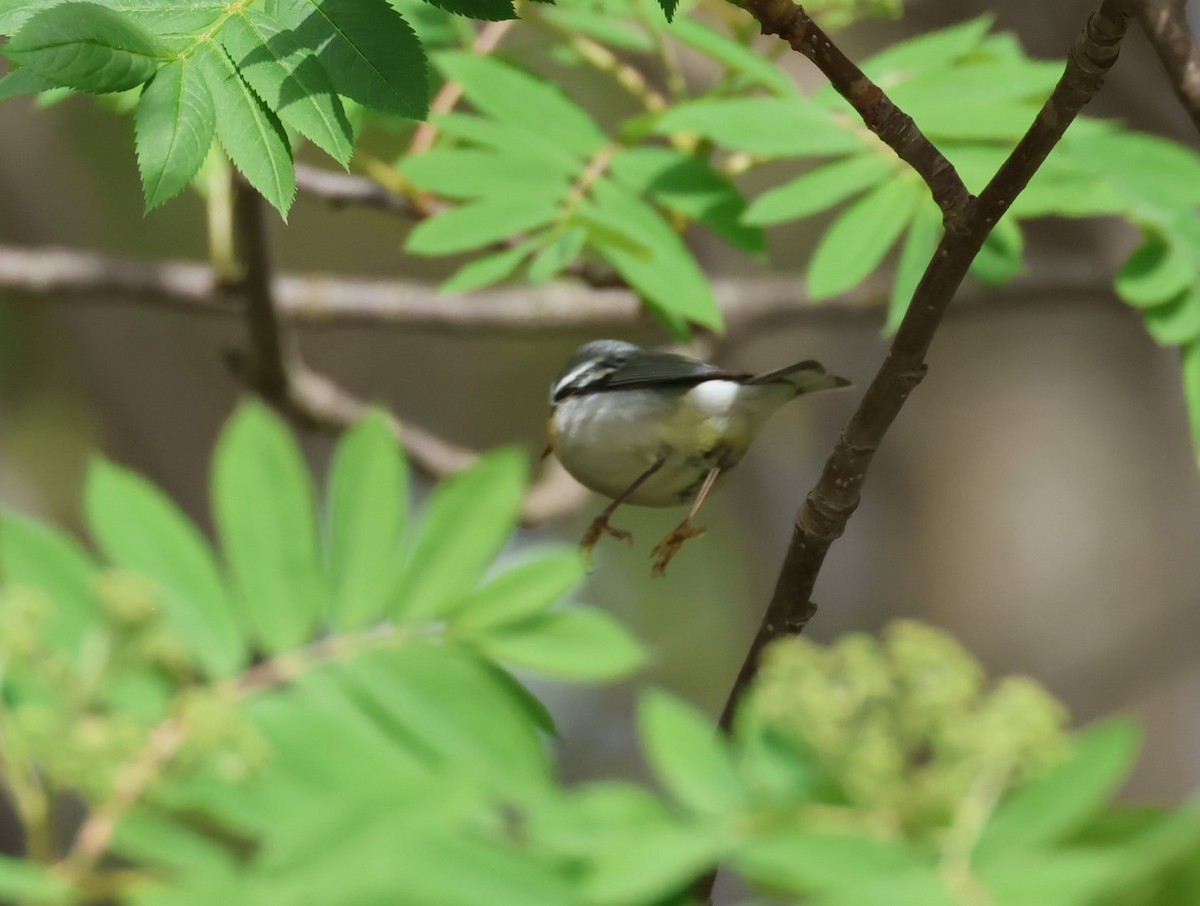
(820, 189)
(924, 234)
(1000, 259)
(809, 861)
(506, 136)
(290, 80)
(486, 270)
(667, 276)
(1157, 272)
(369, 52)
(488, 10)
(15, 13)
(646, 863)
(1151, 173)
(480, 223)
(1059, 803)
(28, 882)
(251, 134)
(771, 126)
(466, 524)
(605, 27)
(21, 82)
(87, 46)
(1190, 353)
(689, 755)
(38, 556)
(735, 56)
(668, 7)
(175, 122)
(557, 255)
(929, 52)
(861, 236)
(477, 173)
(138, 528)
(367, 504)
(524, 101)
(1176, 321)
(263, 503)
(1051, 879)
(523, 591)
(688, 185)
(582, 645)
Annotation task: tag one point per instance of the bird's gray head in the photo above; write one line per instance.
(590, 363)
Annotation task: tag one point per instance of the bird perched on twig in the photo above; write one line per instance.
(658, 429)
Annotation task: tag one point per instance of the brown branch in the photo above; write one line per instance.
(830, 504)
(893, 126)
(1165, 24)
(318, 301)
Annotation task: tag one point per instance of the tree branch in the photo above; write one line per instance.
(325, 301)
(830, 504)
(341, 190)
(894, 127)
(1165, 24)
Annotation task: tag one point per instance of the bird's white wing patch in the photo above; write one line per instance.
(713, 398)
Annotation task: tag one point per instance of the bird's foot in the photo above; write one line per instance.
(598, 529)
(665, 551)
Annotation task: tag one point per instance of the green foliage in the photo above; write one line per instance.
(366, 745)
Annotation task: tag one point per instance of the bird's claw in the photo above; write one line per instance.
(598, 529)
(665, 551)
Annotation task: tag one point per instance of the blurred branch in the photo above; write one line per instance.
(828, 507)
(894, 127)
(1165, 24)
(341, 190)
(750, 305)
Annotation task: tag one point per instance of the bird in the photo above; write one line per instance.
(659, 429)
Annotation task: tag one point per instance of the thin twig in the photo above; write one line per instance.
(893, 126)
(827, 508)
(1165, 24)
(340, 190)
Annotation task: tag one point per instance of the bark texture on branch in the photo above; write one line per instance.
(1165, 24)
(825, 511)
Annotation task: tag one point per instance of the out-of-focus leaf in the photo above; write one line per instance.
(793, 127)
(1150, 172)
(264, 508)
(1176, 321)
(689, 755)
(820, 189)
(667, 277)
(523, 591)
(88, 47)
(467, 522)
(503, 135)
(486, 270)
(24, 881)
(476, 173)
(1157, 272)
(20, 82)
(1051, 879)
(368, 502)
(582, 644)
(856, 243)
(648, 862)
(1059, 803)
(524, 101)
(687, 184)
(480, 223)
(140, 529)
(39, 556)
(1191, 389)
(605, 27)
(735, 56)
(935, 50)
(557, 255)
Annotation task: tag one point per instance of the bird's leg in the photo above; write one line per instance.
(600, 527)
(666, 549)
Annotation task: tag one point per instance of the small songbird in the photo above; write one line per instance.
(658, 429)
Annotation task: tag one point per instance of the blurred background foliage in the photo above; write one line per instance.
(1038, 499)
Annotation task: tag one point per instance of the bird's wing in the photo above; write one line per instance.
(665, 369)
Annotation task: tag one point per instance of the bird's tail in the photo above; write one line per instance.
(807, 377)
